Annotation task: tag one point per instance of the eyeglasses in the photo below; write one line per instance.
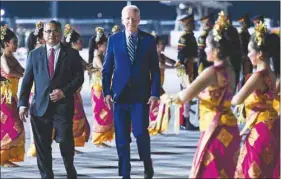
(54, 31)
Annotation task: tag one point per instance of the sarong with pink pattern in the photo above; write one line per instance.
(260, 152)
(218, 146)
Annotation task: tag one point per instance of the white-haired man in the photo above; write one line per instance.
(131, 58)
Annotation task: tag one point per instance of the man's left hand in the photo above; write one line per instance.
(153, 102)
(56, 95)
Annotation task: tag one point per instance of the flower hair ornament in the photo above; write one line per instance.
(67, 32)
(260, 31)
(3, 31)
(221, 24)
(100, 32)
(38, 26)
(115, 29)
(153, 33)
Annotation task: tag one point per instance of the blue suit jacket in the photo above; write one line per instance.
(68, 77)
(143, 74)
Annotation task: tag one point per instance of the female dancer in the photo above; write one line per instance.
(103, 117)
(12, 129)
(260, 152)
(159, 117)
(220, 134)
(81, 127)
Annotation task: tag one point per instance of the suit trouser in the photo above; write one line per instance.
(42, 128)
(124, 115)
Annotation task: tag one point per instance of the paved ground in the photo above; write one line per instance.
(172, 154)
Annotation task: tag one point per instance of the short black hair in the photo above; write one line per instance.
(57, 23)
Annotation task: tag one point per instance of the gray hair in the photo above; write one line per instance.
(130, 7)
(56, 23)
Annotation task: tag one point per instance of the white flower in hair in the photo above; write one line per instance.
(100, 32)
(3, 31)
(67, 32)
(39, 25)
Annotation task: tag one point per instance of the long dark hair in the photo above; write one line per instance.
(269, 44)
(6, 35)
(70, 35)
(225, 38)
(218, 37)
(96, 40)
(33, 36)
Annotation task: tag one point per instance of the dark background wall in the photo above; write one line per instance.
(112, 9)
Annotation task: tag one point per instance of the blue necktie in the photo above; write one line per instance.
(131, 48)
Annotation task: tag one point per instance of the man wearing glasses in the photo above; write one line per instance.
(57, 73)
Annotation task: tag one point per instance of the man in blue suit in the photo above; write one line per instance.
(57, 73)
(131, 64)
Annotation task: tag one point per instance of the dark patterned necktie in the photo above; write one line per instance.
(131, 48)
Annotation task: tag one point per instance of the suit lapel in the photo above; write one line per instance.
(61, 57)
(139, 45)
(124, 45)
(43, 55)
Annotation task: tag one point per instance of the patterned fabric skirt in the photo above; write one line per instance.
(103, 129)
(12, 132)
(81, 127)
(159, 119)
(260, 152)
(223, 146)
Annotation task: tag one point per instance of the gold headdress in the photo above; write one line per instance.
(100, 32)
(115, 29)
(38, 26)
(3, 31)
(154, 34)
(221, 24)
(260, 31)
(67, 32)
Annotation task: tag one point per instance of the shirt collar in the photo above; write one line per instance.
(56, 47)
(135, 34)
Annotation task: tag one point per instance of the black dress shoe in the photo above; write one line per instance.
(126, 177)
(148, 169)
(149, 175)
(182, 128)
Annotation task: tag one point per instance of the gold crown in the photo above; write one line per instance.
(38, 26)
(260, 31)
(3, 31)
(100, 32)
(115, 29)
(67, 32)
(221, 24)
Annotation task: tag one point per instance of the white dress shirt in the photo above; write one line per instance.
(57, 52)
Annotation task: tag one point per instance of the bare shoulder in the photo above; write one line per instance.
(3, 59)
(209, 71)
(208, 76)
(256, 78)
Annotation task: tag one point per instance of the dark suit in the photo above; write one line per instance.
(132, 85)
(46, 115)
